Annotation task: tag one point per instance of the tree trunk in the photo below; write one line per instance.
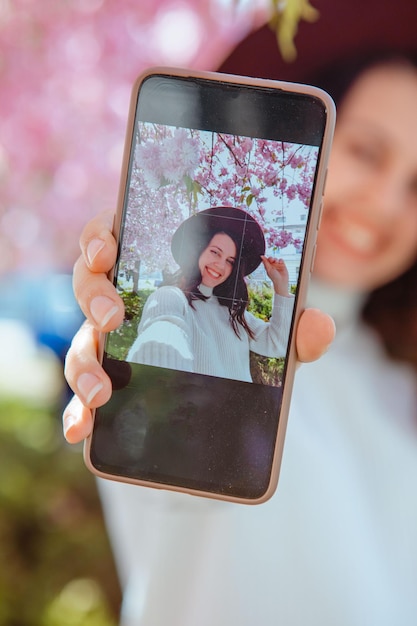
(136, 272)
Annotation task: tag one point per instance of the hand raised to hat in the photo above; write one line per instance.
(278, 273)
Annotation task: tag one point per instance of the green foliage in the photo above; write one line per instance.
(53, 541)
(264, 370)
(193, 189)
(260, 301)
(120, 340)
(285, 19)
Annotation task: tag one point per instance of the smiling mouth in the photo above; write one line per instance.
(212, 273)
(356, 237)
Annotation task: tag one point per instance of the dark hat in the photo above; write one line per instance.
(342, 29)
(238, 224)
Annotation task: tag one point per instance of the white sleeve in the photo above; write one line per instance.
(271, 338)
(165, 332)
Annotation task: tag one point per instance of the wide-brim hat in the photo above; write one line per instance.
(237, 223)
(343, 29)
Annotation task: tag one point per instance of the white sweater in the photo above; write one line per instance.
(200, 338)
(337, 543)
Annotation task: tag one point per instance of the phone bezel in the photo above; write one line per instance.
(308, 253)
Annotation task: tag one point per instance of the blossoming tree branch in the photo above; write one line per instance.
(177, 172)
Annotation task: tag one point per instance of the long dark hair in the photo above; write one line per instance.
(392, 308)
(232, 293)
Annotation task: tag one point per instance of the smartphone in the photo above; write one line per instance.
(218, 212)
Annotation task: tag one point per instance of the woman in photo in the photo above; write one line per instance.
(200, 323)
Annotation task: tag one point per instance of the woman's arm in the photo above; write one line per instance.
(164, 333)
(271, 338)
(278, 274)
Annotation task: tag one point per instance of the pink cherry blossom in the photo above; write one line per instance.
(66, 70)
(194, 170)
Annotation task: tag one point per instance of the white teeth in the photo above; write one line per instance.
(359, 238)
(212, 273)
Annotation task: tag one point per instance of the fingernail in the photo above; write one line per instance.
(89, 386)
(103, 309)
(94, 248)
(69, 422)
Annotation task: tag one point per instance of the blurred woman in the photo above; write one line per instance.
(337, 544)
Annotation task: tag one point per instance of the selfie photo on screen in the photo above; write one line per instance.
(211, 252)
(219, 206)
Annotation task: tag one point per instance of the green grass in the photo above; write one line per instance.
(56, 567)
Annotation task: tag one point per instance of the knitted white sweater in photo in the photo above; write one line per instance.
(200, 338)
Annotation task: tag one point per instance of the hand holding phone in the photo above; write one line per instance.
(212, 166)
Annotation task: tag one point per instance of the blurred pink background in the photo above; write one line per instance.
(66, 70)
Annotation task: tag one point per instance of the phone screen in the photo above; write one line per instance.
(220, 175)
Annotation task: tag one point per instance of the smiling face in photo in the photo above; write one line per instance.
(217, 260)
(368, 233)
